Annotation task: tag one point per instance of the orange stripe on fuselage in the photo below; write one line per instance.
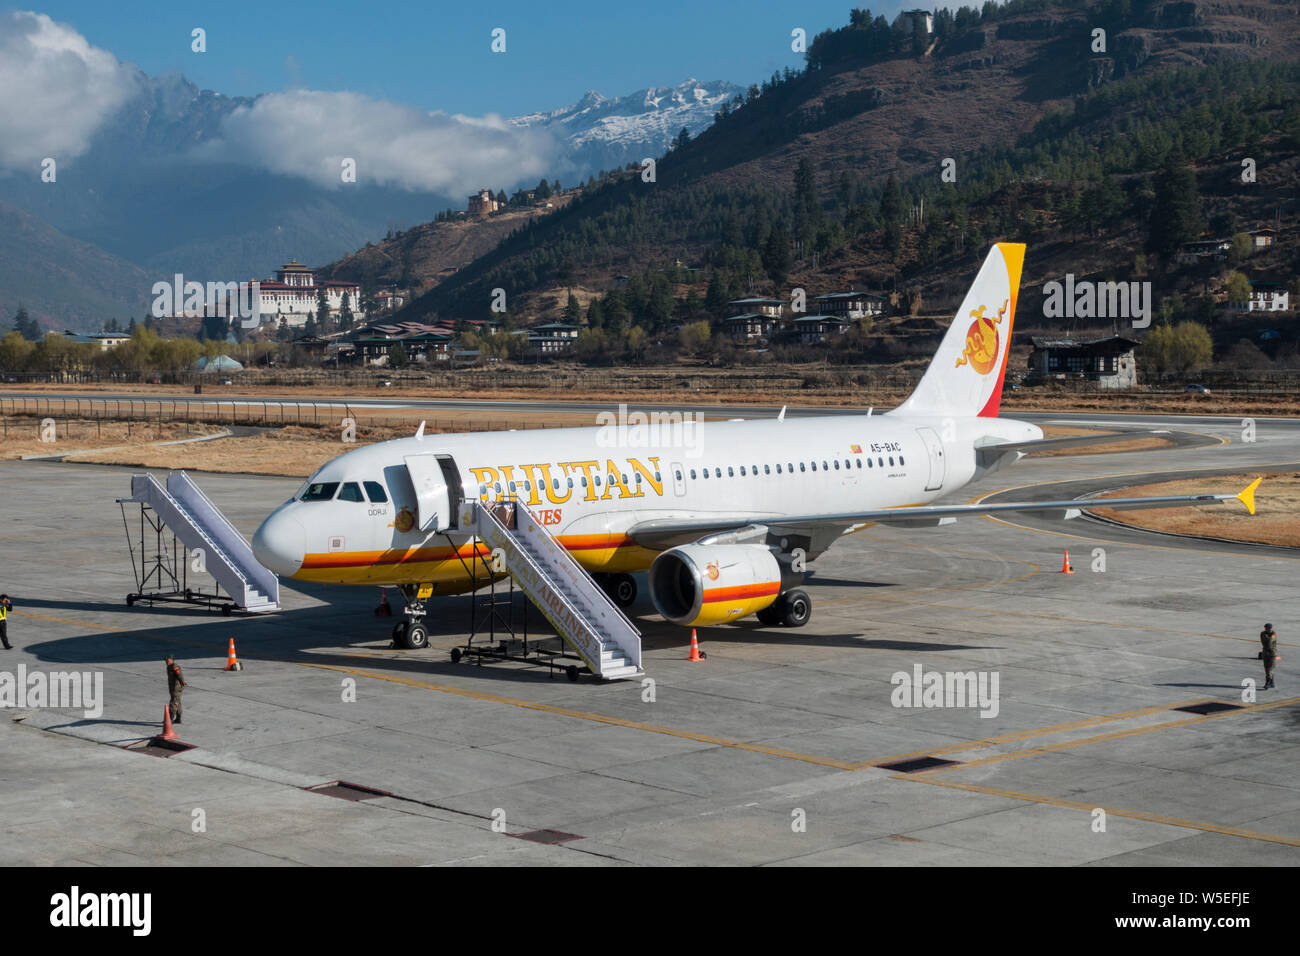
(366, 559)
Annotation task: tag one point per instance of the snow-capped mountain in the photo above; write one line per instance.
(603, 133)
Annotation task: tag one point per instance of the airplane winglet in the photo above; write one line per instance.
(1247, 497)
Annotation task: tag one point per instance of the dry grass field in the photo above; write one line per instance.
(22, 435)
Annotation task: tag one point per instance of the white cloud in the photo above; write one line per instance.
(309, 133)
(55, 89)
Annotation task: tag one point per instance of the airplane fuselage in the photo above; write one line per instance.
(590, 485)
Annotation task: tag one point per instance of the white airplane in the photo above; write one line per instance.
(723, 515)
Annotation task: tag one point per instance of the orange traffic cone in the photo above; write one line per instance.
(168, 733)
(695, 654)
(1065, 565)
(232, 662)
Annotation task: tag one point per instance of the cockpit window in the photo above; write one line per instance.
(351, 492)
(376, 492)
(320, 491)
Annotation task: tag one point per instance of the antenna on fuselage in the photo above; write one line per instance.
(419, 432)
(870, 410)
(781, 417)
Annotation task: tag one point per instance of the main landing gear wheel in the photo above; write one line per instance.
(770, 615)
(794, 608)
(621, 589)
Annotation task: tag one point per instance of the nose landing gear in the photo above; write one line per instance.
(411, 633)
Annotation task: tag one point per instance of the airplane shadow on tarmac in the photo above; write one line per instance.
(344, 632)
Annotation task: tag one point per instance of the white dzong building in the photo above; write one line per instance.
(291, 296)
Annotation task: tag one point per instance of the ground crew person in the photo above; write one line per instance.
(175, 686)
(6, 606)
(1268, 637)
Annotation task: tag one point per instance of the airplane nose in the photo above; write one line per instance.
(280, 543)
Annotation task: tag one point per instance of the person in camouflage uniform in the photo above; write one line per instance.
(175, 687)
(1268, 638)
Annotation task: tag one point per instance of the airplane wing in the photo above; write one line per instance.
(992, 454)
(1072, 441)
(668, 533)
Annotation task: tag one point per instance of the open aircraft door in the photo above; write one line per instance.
(437, 491)
(934, 451)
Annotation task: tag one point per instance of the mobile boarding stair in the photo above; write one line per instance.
(576, 606)
(201, 538)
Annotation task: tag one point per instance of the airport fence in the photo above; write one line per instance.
(19, 413)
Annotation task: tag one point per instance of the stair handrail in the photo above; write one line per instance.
(543, 574)
(564, 554)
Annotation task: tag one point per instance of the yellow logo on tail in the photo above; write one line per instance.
(982, 341)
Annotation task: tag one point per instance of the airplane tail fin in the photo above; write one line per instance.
(966, 375)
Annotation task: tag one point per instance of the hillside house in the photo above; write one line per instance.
(750, 327)
(1265, 297)
(917, 21)
(1203, 250)
(816, 329)
(762, 306)
(850, 305)
(1109, 361)
(482, 204)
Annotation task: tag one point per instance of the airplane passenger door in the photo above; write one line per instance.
(433, 494)
(679, 479)
(934, 451)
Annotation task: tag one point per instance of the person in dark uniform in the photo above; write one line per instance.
(6, 606)
(175, 687)
(1268, 638)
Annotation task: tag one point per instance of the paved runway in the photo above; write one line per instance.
(767, 753)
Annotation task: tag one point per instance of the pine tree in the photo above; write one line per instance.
(345, 312)
(322, 310)
(715, 298)
(573, 311)
(777, 258)
(25, 325)
(1176, 216)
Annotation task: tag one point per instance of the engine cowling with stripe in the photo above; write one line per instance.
(698, 585)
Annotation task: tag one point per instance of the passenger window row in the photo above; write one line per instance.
(804, 467)
(527, 485)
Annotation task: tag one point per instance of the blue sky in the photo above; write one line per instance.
(437, 56)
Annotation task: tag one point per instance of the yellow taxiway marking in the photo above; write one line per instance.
(1046, 617)
(692, 735)
(1112, 811)
(1026, 734)
(927, 777)
(1113, 735)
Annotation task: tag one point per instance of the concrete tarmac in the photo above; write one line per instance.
(770, 752)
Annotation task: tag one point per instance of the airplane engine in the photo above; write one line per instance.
(699, 585)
